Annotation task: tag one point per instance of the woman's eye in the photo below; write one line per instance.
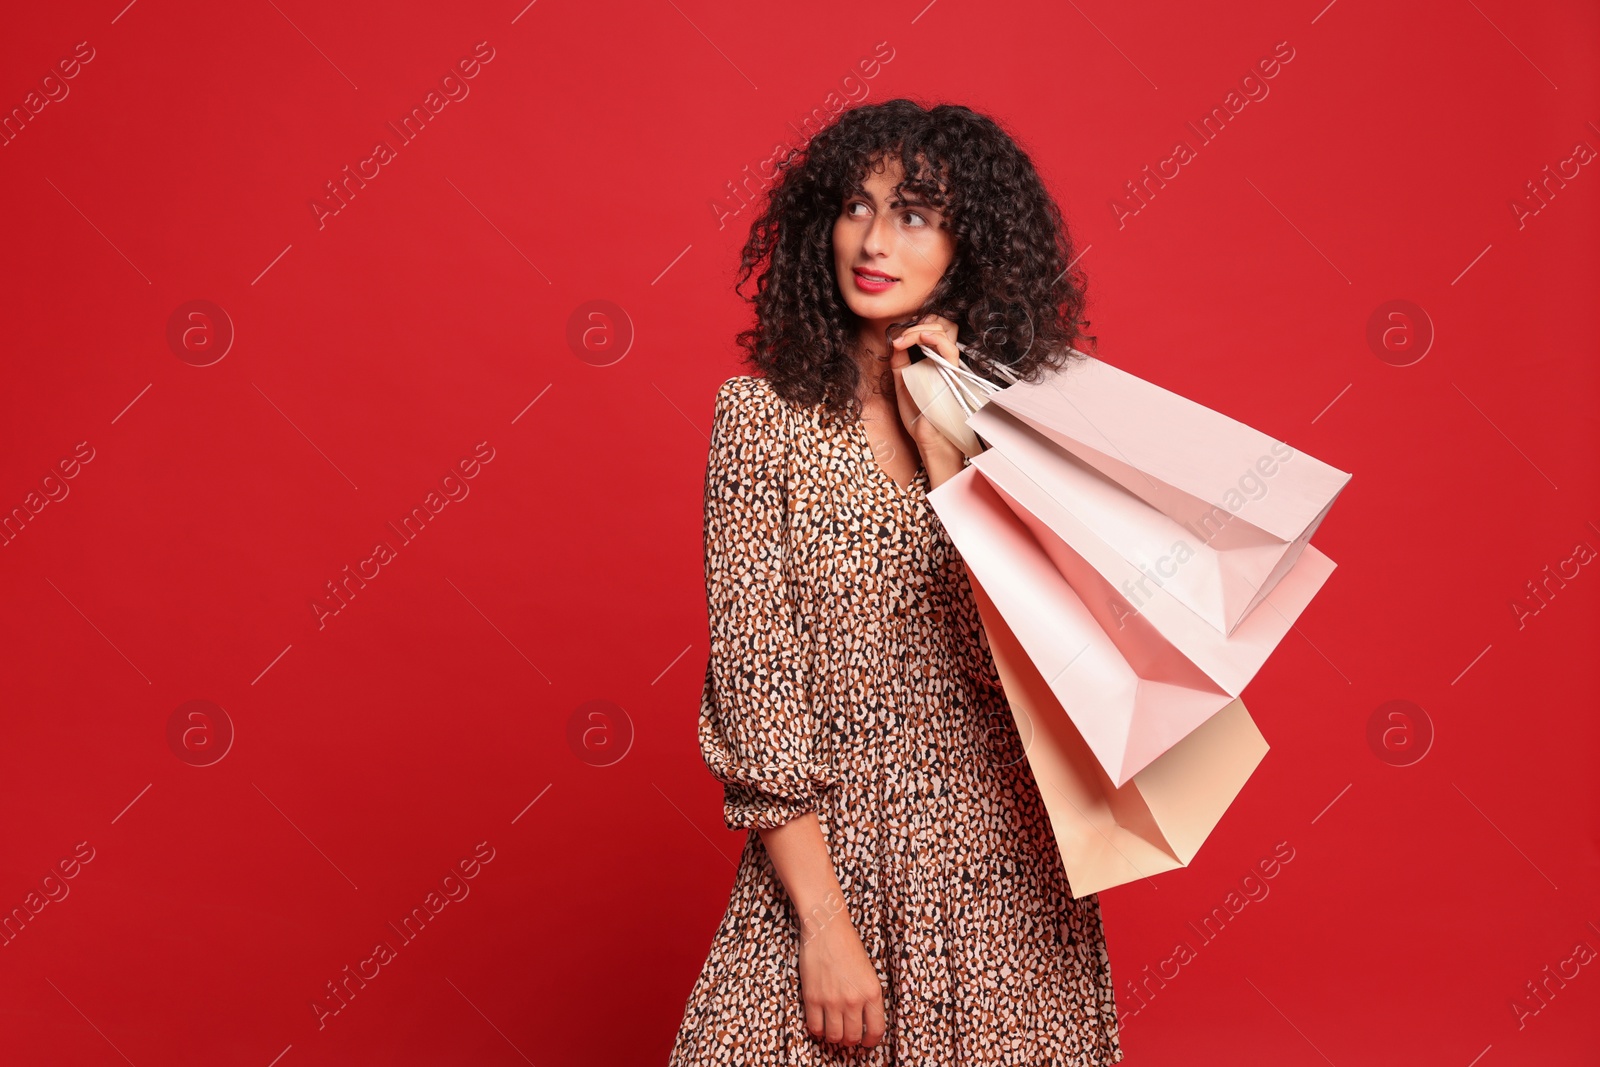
(916, 219)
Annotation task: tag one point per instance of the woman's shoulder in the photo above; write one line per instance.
(748, 399)
(747, 387)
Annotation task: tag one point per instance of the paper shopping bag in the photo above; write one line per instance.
(1084, 521)
(1242, 504)
(1109, 835)
(1129, 708)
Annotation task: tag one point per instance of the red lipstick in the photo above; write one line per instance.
(872, 281)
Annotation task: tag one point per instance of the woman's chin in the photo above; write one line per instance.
(882, 311)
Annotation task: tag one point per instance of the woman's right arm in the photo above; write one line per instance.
(843, 997)
(759, 732)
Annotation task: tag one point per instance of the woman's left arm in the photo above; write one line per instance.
(942, 465)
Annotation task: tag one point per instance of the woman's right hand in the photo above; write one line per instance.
(840, 988)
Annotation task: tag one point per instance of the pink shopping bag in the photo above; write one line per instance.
(1242, 504)
(1128, 707)
(1086, 522)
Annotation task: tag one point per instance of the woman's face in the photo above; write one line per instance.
(903, 241)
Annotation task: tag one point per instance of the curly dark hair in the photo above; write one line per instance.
(1008, 287)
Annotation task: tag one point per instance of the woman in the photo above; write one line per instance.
(902, 900)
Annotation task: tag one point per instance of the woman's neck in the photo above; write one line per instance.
(871, 355)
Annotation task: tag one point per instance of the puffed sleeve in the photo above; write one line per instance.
(758, 730)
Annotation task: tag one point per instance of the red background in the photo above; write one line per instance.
(447, 703)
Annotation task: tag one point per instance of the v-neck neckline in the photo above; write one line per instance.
(872, 460)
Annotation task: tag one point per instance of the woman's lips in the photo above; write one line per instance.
(872, 283)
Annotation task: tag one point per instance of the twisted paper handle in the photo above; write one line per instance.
(948, 393)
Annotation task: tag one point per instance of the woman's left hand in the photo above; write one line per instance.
(939, 334)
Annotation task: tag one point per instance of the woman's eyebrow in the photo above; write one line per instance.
(913, 201)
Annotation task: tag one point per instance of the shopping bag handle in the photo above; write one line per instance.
(968, 389)
(948, 393)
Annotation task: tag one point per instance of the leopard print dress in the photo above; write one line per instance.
(849, 675)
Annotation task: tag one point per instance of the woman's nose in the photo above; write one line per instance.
(880, 234)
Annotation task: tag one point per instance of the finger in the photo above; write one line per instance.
(835, 1025)
(855, 1026)
(924, 333)
(911, 333)
(877, 1026)
(941, 344)
(814, 1019)
(938, 322)
(919, 327)
(936, 343)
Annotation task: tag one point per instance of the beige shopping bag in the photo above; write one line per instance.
(1156, 822)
